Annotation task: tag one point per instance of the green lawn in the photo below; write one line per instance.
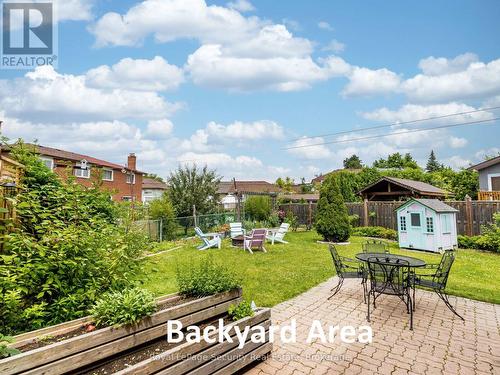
(288, 270)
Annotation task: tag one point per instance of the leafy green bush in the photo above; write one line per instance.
(258, 207)
(378, 232)
(163, 209)
(274, 220)
(5, 351)
(332, 220)
(123, 307)
(354, 220)
(293, 220)
(240, 311)
(66, 250)
(489, 240)
(205, 278)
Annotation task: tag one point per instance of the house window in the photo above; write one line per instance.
(82, 173)
(127, 198)
(402, 223)
(415, 220)
(446, 223)
(107, 175)
(130, 178)
(429, 221)
(48, 162)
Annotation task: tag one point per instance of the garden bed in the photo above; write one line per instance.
(44, 354)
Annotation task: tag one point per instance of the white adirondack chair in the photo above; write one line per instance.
(209, 240)
(277, 235)
(237, 229)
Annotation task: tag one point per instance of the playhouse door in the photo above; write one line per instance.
(415, 236)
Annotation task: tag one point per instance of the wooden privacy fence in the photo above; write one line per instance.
(471, 215)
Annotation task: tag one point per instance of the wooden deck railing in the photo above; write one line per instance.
(488, 196)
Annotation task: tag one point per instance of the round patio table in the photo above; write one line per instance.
(391, 259)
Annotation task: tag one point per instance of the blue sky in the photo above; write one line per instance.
(233, 84)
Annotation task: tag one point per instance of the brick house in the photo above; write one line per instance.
(123, 181)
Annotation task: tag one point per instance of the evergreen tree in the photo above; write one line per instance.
(353, 162)
(432, 163)
(332, 219)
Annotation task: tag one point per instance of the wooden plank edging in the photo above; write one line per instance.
(40, 356)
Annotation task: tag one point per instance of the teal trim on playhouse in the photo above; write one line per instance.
(427, 224)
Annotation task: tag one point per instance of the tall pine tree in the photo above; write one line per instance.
(432, 163)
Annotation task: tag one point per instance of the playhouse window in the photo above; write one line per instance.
(402, 223)
(430, 224)
(415, 220)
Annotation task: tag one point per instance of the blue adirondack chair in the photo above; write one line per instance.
(209, 240)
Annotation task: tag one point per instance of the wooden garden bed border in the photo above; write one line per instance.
(192, 312)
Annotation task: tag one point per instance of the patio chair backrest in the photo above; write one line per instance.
(443, 270)
(282, 230)
(202, 236)
(236, 229)
(258, 238)
(388, 277)
(374, 246)
(337, 263)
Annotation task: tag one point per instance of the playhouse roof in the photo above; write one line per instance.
(434, 204)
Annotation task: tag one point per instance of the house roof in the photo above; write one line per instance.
(418, 186)
(434, 204)
(227, 187)
(68, 155)
(486, 164)
(322, 177)
(150, 183)
(298, 197)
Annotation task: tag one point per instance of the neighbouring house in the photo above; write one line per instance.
(152, 189)
(123, 181)
(229, 191)
(398, 189)
(489, 179)
(427, 224)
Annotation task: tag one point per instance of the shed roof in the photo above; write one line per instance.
(434, 204)
(227, 187)
(150, 183)
(419, 186)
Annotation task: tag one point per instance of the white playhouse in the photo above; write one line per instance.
(427, 224)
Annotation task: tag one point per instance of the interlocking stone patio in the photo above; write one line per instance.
(440, 343)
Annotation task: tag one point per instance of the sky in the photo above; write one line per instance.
(254, 89)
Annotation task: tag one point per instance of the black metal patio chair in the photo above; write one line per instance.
(438, 279)
(375, 246)
(347, 268)
(390, 277)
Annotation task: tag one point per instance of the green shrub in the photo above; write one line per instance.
(5, 351)
(258, 207)
(489, 240)
(274, 220)
(123, 307)
(163, 209)
(240, 311)
(66, 250)
(205, 278)
(332, 220)
(293, 220)
(378, 232)
(354, 220)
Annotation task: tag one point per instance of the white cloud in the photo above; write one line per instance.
(476, 80)
(142, 75)
(209, 67)
(325, 26)
(246, 131)
(457, 162)
(364, 81)
(483, 153)
(310, 148)
(159, 129)
(241, 5)
(433, 66)
(412, 112)
(334, 46)
(44, 93)
(457, 142)
(169, 20)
